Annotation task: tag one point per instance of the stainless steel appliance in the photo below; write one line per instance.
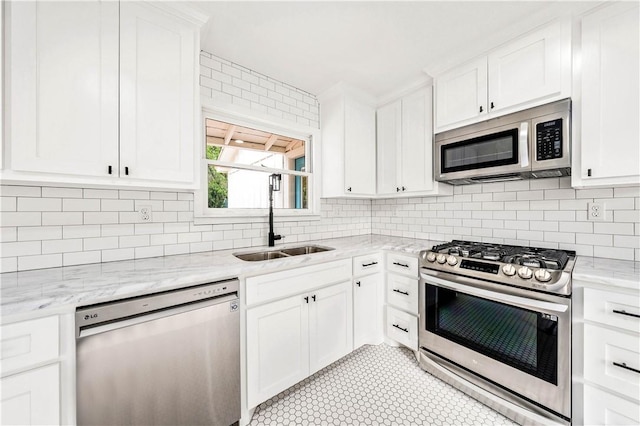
(495, 321)
(534, 143)
(171, 358)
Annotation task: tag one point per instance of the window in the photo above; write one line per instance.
(239, 158)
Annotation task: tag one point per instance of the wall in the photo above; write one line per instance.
(44, 227)
(543, 213)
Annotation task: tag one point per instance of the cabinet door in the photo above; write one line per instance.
(157, 94)
(359, 148)
(530, 70)
(461, 95)
(367, 310)
(277, 347)
(417, 142)
(330, 325)
(603, 408)
(32, 397)
(63, 87)
(389, 135)
(610, 141)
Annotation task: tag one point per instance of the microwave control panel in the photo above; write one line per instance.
(549, 140)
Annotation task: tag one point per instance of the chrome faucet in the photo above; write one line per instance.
(274, 185)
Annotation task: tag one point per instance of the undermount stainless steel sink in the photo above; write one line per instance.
(279, 254)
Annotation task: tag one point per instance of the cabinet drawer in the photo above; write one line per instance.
(603, 348)
(402, 264)
(602, 408)
(295, 281)
(614, 309)
(28, 343)
(402, 327)
(32, 397)
(402, 293)
(367, 264)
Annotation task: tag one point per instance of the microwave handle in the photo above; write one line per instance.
(523, 139)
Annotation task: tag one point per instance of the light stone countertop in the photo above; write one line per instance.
(607, 272)
(37, 292)
(34, 293)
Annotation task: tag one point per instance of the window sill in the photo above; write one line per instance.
(253, 218)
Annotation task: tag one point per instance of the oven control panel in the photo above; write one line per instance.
(489, 268)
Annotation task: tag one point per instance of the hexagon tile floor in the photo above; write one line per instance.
(375, 385)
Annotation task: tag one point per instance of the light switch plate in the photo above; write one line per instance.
(596, 211)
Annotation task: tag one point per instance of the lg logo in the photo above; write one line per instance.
(91, 316)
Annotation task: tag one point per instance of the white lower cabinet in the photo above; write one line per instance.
(401, 323)
(29, 388)
(606, 346)
(368, 300)
(32, 397)
(402, 327)
(292, 338)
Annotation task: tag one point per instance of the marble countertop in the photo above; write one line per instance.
(65, 288)
(37, 292)
(607, 272)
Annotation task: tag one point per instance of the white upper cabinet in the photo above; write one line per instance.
(405, 147)
(606, 132)
(529, 71)
(101, 92)
(461, 94)
(157, 94)
(63, 87)
(389, 139)
(348, 124)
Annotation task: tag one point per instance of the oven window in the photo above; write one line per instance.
(518, 337)
(497, 149)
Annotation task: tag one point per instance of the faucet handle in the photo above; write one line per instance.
(278, 237)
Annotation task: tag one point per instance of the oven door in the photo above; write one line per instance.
(486, 155)
(519, 343)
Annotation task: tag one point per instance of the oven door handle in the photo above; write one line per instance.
(498, 297)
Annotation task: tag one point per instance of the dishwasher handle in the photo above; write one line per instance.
(122, 310)
(127, 322)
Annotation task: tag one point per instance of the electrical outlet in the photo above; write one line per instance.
(145, 213)
(596, 211)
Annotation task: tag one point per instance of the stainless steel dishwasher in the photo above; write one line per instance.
(171, 358)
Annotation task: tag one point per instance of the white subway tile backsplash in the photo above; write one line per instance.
(37, 233)
(613, 228)
(133, 241)
(20, 191)
(31, 204)
(66, 218)
(150, 251)
(594, 193)
(101, 243)
(133, 195)
(20, 248)
(81, 205)
(81, 258)
(155, 195)
(559, 194)
(80, 231)
(91, 218)
(173, 249)
(614, 252)
(100, 193)
(8, 264)
(117, 254)
(61, 246)
(26, 263)
(8, 233)
(50, 192)
(117, 205)
(8, 204)
(632, 216)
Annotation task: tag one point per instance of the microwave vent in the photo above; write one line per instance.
(551, 173)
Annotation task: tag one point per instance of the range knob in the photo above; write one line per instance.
(525, 273)
(542, 275)
(451, 260)
(431, 256)
(509, 270)
(441, 258)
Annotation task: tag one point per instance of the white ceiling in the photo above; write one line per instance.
(378, 46)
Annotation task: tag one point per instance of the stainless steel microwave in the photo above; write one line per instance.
(533, 143)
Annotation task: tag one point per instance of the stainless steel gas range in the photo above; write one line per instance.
(495, 321)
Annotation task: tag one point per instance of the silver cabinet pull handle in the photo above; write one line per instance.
(626, 367)
(406, 330)
(623, 312)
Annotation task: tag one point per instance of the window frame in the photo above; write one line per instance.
(205, 215)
